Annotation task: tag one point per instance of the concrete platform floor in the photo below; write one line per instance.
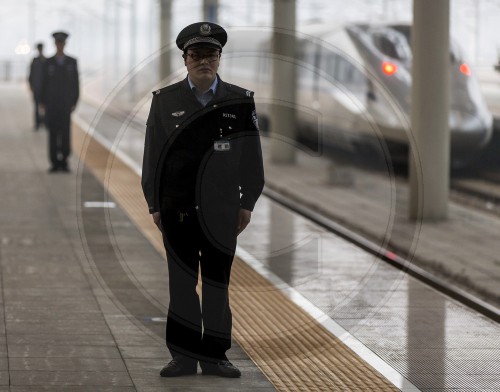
(61, 326)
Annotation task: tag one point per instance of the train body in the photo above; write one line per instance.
(354, 88)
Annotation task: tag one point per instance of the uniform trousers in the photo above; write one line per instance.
(38, 114)
(58, 121)
(201, 331)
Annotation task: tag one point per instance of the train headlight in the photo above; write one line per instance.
(389, 68)
(465, 69)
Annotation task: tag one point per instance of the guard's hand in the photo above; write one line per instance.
(244, 220)
(157, 220)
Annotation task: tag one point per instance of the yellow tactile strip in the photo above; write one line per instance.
(294, 351)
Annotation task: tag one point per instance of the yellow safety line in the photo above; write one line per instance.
(293, 350)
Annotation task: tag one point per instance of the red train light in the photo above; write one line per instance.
(390, 255)
(389, 68)
(465, 69)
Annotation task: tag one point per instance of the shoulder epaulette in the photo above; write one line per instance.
(239, 90)
(172, 87)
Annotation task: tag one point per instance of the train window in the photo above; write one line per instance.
(343, 71)
(455, 54)
(393, 44)
(351, 75)
(308, 53)
(331, 64)
(385, 46)
(357, 77)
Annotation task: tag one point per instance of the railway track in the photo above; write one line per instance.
(388, 256)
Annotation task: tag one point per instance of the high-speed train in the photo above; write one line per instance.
(354, 88)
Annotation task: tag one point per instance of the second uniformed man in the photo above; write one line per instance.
(35, 82)
(202, 175)
(59, 95)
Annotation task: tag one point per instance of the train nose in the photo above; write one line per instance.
(469, 131)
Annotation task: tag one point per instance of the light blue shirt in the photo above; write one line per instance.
(60, 60)
(204, 97)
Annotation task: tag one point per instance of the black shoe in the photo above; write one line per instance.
(53, 169)
(63, 166)
(222, 368)
(179, 367)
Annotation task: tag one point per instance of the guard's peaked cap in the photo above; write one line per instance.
(202, 34)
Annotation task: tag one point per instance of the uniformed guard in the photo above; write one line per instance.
(202, 175)
(60, 91)
(35, 82)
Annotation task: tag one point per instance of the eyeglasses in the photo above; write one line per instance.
(198, 57)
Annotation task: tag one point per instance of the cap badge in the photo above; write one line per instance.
(205, 29)
(178, 114)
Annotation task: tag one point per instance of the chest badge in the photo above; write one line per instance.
(222, 145)
(178, 114)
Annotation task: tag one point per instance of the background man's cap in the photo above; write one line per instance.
(201, 34)
(60, 36)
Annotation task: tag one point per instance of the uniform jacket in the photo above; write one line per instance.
(35, 75)
(181, 163)
(60, 86)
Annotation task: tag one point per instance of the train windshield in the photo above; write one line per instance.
(392, 43)
(405, 31)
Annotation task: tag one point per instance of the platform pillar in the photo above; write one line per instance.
(165, 37)
(282, 118)
(105, 35)
(210, 10)
(430, 152)
(117, 40)
(133, 46)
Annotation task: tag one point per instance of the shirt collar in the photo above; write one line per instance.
(213, 87)
(61, 59)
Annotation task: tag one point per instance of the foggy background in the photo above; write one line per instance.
(100, 29)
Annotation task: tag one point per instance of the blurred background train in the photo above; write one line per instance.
(354, 89)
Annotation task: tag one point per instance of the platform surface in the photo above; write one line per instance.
(73, 322)
(69, 323)
(424, 335)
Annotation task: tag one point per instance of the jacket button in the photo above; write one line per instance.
(215, 106)
(177, 125)
(196, 207)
